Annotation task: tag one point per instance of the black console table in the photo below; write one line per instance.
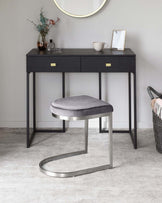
(82, 60)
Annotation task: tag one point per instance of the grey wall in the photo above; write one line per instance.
(141, 19)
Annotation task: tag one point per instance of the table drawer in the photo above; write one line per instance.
(107, 64)
(53, 64)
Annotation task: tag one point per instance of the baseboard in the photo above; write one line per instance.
(73, 124)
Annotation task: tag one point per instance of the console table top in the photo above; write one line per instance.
(82, 52)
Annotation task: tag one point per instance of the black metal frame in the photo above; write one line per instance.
(35, 129)
(133, 133)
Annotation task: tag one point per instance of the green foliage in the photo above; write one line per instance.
(45, 24)
(43, 19)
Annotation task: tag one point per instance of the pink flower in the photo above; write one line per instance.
(52, 22)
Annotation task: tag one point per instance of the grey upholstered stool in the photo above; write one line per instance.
(80, 108)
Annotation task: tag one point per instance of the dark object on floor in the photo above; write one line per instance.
(157, 126)
(157, 122)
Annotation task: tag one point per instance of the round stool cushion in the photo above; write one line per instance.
(78, 106)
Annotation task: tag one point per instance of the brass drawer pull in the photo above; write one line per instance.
(108, 64)
(53, 64)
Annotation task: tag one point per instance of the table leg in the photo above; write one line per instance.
(27, 112)
(130, 102)
(63, 94)
(34, 102)
(135, 113)
(100, 97)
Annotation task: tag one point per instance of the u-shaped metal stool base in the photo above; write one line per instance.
(62, 156)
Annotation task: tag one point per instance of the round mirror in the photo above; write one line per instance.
(80, 8)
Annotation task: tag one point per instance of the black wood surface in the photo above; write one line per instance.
(82, 52)
(81, 60)
(43, 64)
(98, 64)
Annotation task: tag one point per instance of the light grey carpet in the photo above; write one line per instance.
(136, 178)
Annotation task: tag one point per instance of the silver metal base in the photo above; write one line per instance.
(83, 171)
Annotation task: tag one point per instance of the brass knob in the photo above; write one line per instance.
(108, 64)
(53, 64)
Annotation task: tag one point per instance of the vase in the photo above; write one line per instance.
(42, 42)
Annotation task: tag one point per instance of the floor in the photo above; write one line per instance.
(136, 177)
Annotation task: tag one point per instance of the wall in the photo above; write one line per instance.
(141, 19)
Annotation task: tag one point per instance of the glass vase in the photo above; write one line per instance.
(42, 42)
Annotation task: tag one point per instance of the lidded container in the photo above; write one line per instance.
(51, 45)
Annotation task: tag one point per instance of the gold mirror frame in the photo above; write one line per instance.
(80, 16)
